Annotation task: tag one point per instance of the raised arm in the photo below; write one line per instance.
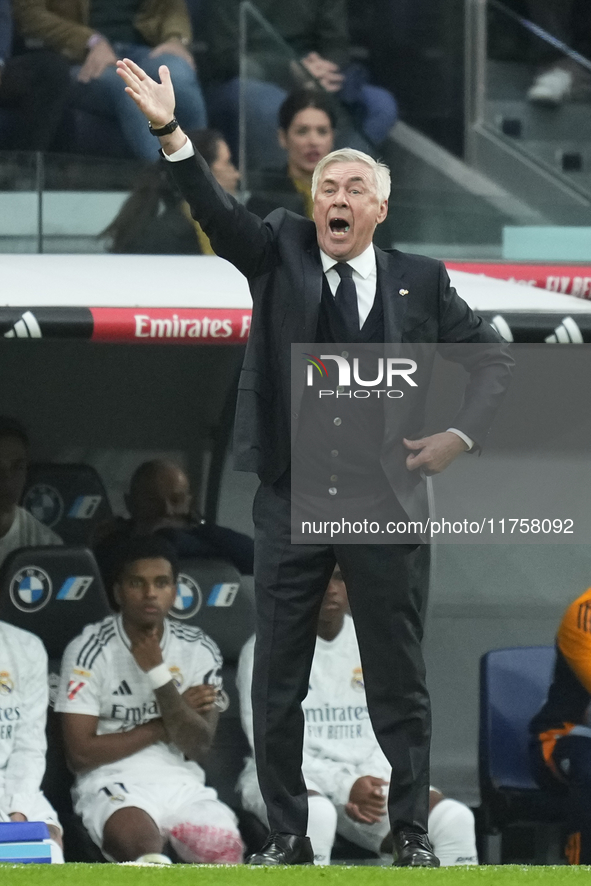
(235, 233)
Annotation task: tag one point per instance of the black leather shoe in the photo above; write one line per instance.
(284, 849)
(413, 850)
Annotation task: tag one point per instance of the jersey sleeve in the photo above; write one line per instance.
(574, 639)
(79, 689)
(26, 763)
(243, 684)
(207, 665)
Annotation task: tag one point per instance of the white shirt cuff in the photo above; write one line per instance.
(183, 153)
(467, 440)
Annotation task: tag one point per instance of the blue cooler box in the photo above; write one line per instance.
(22, 842)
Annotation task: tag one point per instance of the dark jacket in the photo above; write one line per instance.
(63, 24)
(5, 30)
(281, 260)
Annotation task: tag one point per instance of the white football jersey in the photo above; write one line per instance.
(339, 742)
(23, 712)
(100, 677)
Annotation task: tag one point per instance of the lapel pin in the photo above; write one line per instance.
(403, 292)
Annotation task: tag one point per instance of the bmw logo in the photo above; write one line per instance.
(188, 597)
(44, 503)
(31, 589)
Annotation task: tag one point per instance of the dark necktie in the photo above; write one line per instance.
(346, 299)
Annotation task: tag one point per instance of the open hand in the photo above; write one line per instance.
(100, 57)
(433, 454)
(155, 100)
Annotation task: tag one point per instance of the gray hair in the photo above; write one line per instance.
(380, 171)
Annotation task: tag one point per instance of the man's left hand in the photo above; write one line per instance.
(325, 71)
(201, 698)
(174, 47)
(146, 650)
(17, 816)
(433, 454)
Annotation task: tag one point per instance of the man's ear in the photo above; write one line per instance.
(382, 212)
(281, 138)
(117, 593)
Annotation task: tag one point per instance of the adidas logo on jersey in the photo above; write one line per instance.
(122, 689)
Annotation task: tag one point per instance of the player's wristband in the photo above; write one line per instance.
(159, 676)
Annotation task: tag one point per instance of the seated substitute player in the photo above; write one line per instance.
(346, 773)
(160, 500)
(18, 528)
(561, 730)
(23, 713)
(138, 693)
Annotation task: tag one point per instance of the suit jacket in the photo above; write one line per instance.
(281, 260)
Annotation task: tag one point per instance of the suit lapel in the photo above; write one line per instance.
(312, 268)
(391, 282)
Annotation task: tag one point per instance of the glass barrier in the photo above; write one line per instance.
(21, 196)
(526, 188)
(528, 121)
(60, 202)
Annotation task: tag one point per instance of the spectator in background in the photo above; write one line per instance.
(160, 501)
(18, 528)
(152, 32)
(307, 123)
(316, 30)
(561, 730)
(23, 706)
(155, 220)
(346, 773)
(560, 78)
(36, 86)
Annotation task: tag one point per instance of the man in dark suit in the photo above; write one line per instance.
(291, 264)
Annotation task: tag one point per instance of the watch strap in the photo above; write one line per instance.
(164, 130)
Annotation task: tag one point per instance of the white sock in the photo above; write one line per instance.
(451, 831)
(57, 854)
(322, 827)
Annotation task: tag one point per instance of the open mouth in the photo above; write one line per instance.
(339, 226)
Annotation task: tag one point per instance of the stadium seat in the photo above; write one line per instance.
(215, 597)
(513, 686)
(54, 592)
(69, 498)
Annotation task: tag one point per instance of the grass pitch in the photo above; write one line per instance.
(211, 875)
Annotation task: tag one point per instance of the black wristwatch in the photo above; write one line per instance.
(164, 130)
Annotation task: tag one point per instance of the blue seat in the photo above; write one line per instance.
(514, 684)
(69, 498)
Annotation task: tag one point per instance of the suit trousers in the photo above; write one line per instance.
(290, 581)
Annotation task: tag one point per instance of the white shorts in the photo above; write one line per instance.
(199, 826)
